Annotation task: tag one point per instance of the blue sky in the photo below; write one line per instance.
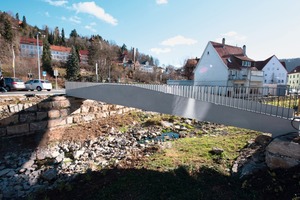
(174, 30)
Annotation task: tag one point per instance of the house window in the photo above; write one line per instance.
(265, 81)
(265, 74)
(208, 53)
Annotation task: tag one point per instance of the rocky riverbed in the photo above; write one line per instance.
(76, 150)
(63, 154)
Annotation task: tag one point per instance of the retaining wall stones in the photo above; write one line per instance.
(23, 115)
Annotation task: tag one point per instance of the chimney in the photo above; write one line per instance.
(244, 50)
(223, 42)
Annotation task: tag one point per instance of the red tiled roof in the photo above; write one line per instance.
(60, 48)
(31, 41)
(226, 51)
(84, 52)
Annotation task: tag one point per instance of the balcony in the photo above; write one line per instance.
(257, 76)
(237, 77)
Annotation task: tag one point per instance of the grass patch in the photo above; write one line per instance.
(195, 152)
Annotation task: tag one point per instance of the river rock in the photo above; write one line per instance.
(49, 174)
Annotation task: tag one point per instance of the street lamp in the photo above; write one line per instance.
(38, 54)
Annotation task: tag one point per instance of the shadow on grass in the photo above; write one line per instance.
(178, 184)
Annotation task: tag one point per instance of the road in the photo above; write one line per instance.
(25, 93)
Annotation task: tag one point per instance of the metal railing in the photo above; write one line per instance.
(264, 100)
(270, 101)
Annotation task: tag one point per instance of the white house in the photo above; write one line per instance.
(226, 65)
(147, 68)
(29, 47)
(274, 71)
(60, 53)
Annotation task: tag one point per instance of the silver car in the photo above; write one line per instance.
(38, 85)
(14, 84)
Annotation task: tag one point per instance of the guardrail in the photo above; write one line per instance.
(270, 101)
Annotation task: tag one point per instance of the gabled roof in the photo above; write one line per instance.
(226, 51)
(261, 64)
(295, 70)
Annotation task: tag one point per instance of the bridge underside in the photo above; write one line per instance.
(149, 100)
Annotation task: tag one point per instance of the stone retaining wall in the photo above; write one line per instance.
(23, 115)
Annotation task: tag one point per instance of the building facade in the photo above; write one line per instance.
(294, 78)
(274, 71)
(226, 65)
(29, 47)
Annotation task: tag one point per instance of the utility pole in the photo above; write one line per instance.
(38, 53)
(97, 72)
(13, 61)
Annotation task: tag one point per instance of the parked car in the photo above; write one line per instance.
(36, 84)
(14, 84)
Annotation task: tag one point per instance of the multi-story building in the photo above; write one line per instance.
(294, 78)
(83, 55)
(29, 47)
(274, 71)
(60, 53)
(226, 65)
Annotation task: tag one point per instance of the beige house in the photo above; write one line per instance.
(294, 78)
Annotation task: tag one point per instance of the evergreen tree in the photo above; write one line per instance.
(73, 68)
(46, 58)
(74, 33)
(51, 38)
(24, 23)
(63, 40)
(17, 17)
(56, 36)
(7, 32)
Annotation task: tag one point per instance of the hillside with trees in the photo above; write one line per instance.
(107, 56)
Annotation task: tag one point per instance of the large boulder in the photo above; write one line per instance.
(283, 152)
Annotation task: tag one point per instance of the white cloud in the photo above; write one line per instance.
(232, 38)
(94, 10)
(88, 27)
(160, 50)
(179, 40)
(161, 1)
(73, 19)
(56, 3)
(229, 34)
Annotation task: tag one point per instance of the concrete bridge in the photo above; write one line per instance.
(240, 107)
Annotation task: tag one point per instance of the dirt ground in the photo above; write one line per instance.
(89, 130)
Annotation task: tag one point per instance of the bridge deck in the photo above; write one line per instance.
(201, 103)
